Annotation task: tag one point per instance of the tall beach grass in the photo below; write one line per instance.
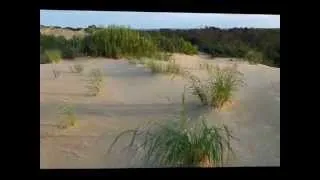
(181, 143)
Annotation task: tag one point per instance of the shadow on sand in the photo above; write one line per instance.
(66, 94)
(141, 111)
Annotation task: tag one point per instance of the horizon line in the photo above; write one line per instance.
(157, 28)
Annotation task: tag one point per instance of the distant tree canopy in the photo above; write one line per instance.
(234, 42)
(118, 41)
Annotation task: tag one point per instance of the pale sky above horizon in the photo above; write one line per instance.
(147, 20)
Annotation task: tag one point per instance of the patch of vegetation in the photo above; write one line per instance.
(54, 57)
(254, 57)
(173, 68)
(170, 67)
(181, 143)
(95, 82)
(118, 41)
(199, 89)
(154, 66)
(43, 59)
(68, 116)
(235, 42)
(173, 44)
(164, 56)
(78, 68)
(68, 48)
(115, 42)
(219, 87)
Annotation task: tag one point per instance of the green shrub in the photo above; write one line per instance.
(173, 44)
(54, 56)
(183, 143)
(69, 53)
(218, 88)
(188, 48)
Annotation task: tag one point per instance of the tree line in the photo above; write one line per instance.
(114, 42)
(235, 42)
(120, 41)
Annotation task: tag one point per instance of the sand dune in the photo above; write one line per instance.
(133, 96)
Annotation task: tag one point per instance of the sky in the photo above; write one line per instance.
(153, 20)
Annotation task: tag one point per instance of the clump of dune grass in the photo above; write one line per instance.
(170, 67)
(219, 87)
(68, 116)
(54, 57)
(154, 66)
(78, 68)
(173, 68)
(181, 143)
(199, 89)
(95, 82)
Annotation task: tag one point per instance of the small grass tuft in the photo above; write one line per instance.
(78, 68)
(95, 82)
(68, 116)
(219, 87)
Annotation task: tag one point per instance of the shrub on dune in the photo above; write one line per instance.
(219, 87)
